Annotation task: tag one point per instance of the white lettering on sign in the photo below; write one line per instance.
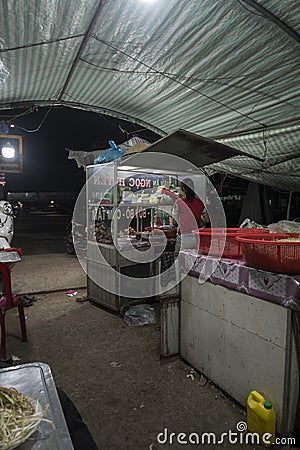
(103, 180)
(131, 213)
(139, 182)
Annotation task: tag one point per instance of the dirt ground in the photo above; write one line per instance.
(113, 374)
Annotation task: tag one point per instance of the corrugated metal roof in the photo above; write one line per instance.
(226, 70)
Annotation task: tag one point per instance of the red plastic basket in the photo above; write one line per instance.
(232, 248)
(271, 252)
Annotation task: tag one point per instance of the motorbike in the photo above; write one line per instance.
(8, 213)
(75, 237)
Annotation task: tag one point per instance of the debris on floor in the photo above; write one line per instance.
(82, 299)
(194, 375)
(171, 370)
(27, 300)
(141, 406)
(139, 315)
(71, 293)
(191, 376)
(115, 364)
(202, 380)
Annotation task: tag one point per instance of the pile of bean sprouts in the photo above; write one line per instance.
(290, 239)
(19, 419)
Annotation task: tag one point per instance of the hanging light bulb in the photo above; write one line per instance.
(8, 151)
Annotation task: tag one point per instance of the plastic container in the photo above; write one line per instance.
(261, 418)
(232, 248)
(271, 252)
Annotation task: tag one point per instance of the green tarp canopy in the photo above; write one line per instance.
(226, 70)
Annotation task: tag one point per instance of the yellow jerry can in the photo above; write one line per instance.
(261, 418)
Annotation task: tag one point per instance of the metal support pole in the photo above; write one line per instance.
(289, 206)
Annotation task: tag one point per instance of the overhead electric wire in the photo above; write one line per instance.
(140, 72)
(40, 125)
(255, 130)
(265, 147)
(272, 18)
(37, 44)
(242, 120)
(83, 44)
(177, 81)
(25, 113)
(250, 10)
(114, 124)
(111, 113)
(10, 118)
(121, 128)
(217, 81)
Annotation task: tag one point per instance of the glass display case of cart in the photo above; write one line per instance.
(101, 202)
(143, 204)
(124, 204)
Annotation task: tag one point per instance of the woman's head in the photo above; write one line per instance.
(187, 187)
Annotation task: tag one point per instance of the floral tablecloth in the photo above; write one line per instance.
(277, 288)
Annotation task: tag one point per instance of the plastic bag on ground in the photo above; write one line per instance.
(139, 315)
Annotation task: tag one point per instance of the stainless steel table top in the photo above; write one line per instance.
(35, 381)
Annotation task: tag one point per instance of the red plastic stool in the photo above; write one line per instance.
(9, 301)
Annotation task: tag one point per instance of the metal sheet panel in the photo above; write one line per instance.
(196, 149)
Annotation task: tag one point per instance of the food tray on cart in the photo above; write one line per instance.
(35, 381)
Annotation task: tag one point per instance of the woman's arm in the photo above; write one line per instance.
(205, 217)
(175, 215)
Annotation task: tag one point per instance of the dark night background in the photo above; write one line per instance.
(46, 166)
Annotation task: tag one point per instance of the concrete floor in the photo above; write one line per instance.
(114, 375)
(47, 272)
(45, 265)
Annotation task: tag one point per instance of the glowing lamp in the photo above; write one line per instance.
(8, 151)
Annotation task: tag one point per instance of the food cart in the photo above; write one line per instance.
(124, 199)
(128, 210)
